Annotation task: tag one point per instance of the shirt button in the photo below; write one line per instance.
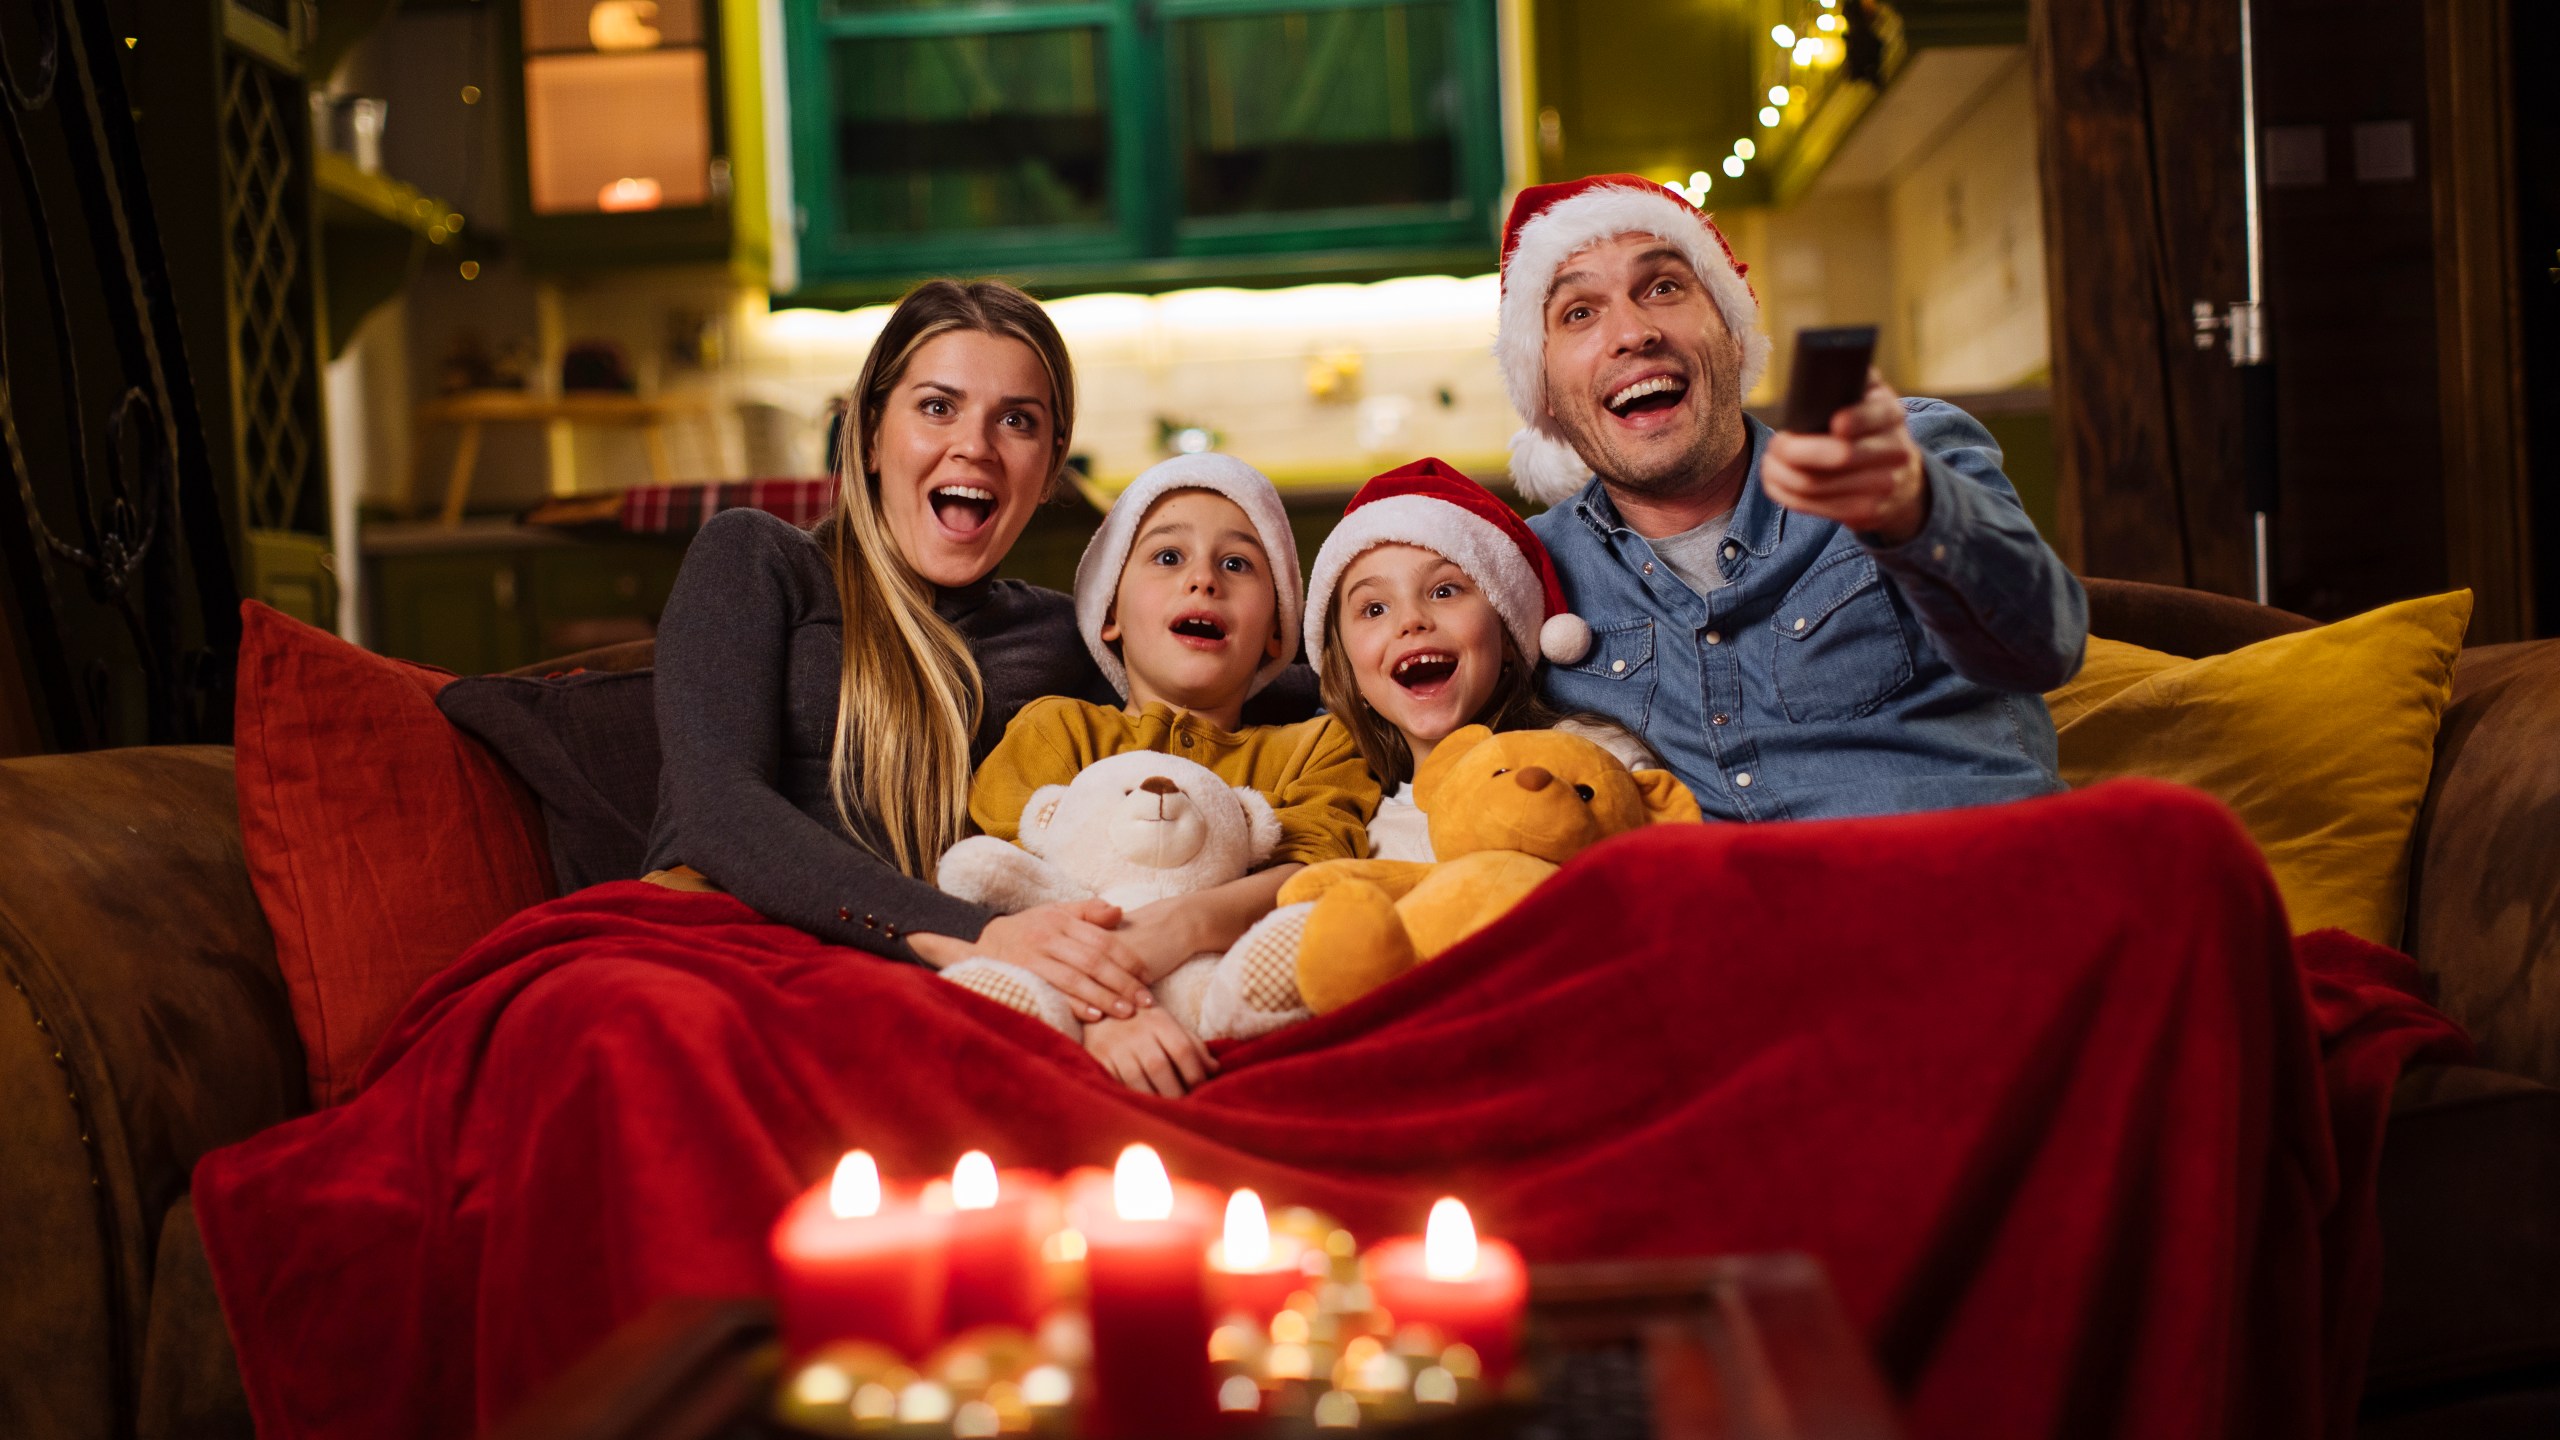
(844, 912)
(1743, 779)
(1937, 552)
(1648, 567)
(1186, 742)
(1719, 719)
(1617, 667)
(1731, 550)
(1799, 624)
(1715, 637)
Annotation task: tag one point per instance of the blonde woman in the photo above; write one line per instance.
(815, 768)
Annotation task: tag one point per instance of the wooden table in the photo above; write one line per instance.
(1742, 1348)
(472, 409)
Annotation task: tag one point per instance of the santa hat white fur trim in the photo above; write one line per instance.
(1107, 554)
(1470, 542)
(1544, 465)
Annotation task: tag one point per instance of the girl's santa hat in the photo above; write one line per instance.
(1107, 554)
(1550, 224)
(1431, 505)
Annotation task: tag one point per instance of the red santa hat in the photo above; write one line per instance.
(1549, 224)
(1431, 505)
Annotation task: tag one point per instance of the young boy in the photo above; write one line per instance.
(1189, 598)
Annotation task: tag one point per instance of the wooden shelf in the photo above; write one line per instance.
(347, 193)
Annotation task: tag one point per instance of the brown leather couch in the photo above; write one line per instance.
(148, 1024)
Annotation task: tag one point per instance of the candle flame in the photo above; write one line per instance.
(1140, 1188)
(1449, 1242)
(973, 1182)
(1248, 1238)
(855, 1192)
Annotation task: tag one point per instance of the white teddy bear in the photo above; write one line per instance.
(1129, 829)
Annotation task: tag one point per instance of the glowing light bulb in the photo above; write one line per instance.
(1808, 50)
(1247, 1245)
(1744, 148)
(1733, 166)
(1777, 94)
(1785, 37)
(1826, 23)
(1140, 1188)
(1769, 116)
(973, 1182)
(1449, 1241)
(855, 1191)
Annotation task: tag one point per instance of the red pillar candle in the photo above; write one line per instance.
(1472, 1291)
(1251, 1270)
(852, 1261)
(997, 1224)
(1145, 1248)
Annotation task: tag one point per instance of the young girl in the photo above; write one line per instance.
(1425, 609)
(1188, 599)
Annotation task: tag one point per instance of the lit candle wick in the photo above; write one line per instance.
(855, 1191)
(1247, 1245)
(1449, 1242)
(1140, 1188)
(973, 1182)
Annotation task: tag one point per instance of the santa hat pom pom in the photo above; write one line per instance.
(1545, 468)
(1564, 639)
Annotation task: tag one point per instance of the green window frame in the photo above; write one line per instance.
(1145, 240)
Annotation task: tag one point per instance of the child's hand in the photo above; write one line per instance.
(1152, 1053)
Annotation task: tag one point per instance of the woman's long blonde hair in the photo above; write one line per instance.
(911, 695)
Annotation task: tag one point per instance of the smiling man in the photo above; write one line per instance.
(1853, 623)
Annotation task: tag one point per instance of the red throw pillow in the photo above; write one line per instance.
(381, 840)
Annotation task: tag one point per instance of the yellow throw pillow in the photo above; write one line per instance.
(2322, 741)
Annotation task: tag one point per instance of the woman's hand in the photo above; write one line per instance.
(1070, 944)
(1164, 933)
(1152, 1053)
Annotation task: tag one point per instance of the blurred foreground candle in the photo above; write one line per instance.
(1472, 1291)
(997, 1224)
(853, 1261)
(1251, 1270)
(1145, 1246)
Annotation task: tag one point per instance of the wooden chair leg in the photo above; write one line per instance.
(655, 436)
(457, 486)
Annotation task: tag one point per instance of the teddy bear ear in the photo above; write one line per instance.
(1262, 823)
(1444, 758)
(1039, 815)
(1666, 800)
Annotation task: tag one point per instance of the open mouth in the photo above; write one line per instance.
(962, 508)
(1649, 395)
(1425, 671)
(1203, 629)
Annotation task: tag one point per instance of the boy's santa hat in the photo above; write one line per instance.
(1549, 224)
(1431, 505)
(1107, 554)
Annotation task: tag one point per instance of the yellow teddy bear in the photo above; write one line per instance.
(1506, 811)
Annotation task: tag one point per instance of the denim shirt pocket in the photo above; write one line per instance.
(1841, 650)
(1615, 680)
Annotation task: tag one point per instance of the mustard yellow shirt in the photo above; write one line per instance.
(1311, 772)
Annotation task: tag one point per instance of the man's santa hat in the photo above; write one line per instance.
(1431, 505)
(1550, 224)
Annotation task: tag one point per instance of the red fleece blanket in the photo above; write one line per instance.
(2085, 1140)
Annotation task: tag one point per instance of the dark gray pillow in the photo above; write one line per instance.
(587, 746)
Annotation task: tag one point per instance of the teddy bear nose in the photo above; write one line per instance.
(1158, 785)
(1533, 778)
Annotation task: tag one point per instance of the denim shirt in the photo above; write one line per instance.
(1830, 676)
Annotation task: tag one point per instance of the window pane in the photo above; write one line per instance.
(617, 132)
(971, 132)
(1318, 110)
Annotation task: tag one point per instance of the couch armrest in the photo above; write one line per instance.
(2484, 881)
(145, 1024)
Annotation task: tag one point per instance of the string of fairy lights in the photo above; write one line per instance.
(1819, 47)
